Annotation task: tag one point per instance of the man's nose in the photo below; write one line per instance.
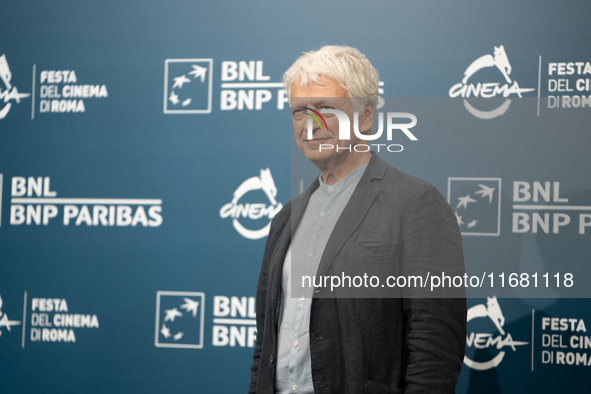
(311, 125)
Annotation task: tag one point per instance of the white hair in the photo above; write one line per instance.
(348, 67)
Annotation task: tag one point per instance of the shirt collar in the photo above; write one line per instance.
(351, 178)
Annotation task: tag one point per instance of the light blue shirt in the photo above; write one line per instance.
(294, 373)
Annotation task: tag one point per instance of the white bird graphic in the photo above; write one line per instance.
(464, 201)
(459, 219)
(186, 102)
(178, 336)
(171, 314)
(486, 191)
(165, 331)
(190, 306)
(180, 81)
(472, 223)
(174, 98)
(198, 71)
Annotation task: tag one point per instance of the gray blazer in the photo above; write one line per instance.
(394, 224)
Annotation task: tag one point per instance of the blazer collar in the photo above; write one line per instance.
(376, 168)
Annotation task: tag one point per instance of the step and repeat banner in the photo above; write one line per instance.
(146, 146)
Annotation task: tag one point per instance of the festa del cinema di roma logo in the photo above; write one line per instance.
(467, 89)
(493, 311)
(253, 211)
(9, 92)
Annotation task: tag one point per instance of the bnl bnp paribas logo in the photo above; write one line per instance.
(34, 203)
(251, 211)
(473, 86)
(187, 86)
(491, 313)
(9, 93)
(538, 207)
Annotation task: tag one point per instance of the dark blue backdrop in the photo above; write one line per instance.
(146, 172)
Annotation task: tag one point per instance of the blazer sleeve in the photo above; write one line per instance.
(436, 325)
(261, 302)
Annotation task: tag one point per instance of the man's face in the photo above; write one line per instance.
(329, 95)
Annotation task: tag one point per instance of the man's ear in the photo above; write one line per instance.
(366, 119)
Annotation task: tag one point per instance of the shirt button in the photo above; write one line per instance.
(310, 254)
(272, 358)
(296, 343)
(322, 214)
(330, 188)
(295, 387)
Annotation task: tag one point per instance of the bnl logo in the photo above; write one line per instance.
(187, 86)
(179, 319)
(477, 205)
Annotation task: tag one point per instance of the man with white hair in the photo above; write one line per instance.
(359, 216)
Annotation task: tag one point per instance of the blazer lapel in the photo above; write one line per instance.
(278, 257)
(297, 211)
(361, 200)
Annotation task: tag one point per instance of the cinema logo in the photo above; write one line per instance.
(467, 89)
(482, 341)
(253, 211)
(9, 92)
(34, 203)
(5, 322)
(345, 130)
